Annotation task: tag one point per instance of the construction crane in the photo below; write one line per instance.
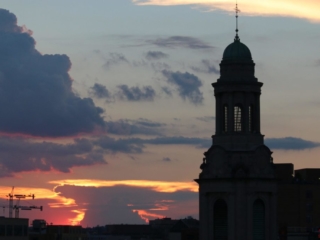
(16, 208)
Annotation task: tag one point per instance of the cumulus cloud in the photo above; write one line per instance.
(100, 91)
(156, 55)
(307, 9)
(35, 89)
(290, 143)
(206, 66)
(180, 41)
(188, 85)
(136, 94)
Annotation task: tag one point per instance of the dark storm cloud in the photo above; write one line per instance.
(206, 118)
(134, 127)
(180, 41)
(188, 85)
(100, 91)
(156, 55)
(290, 143)
(19, 155)
(115, 59)
(35, 89)
(206, 67)
(136, 94)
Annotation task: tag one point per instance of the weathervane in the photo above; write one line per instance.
(237, 30)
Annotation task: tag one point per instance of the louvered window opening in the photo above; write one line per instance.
(258, 220)
(225, 123)
(220, 219)
(237, 119)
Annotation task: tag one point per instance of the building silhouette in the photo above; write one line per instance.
(237, 184)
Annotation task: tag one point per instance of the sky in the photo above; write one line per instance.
(107, 105)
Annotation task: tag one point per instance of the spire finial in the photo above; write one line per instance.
(237, 30)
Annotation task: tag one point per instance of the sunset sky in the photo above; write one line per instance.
(106, 106)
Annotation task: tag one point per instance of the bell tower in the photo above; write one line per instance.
(237, 185)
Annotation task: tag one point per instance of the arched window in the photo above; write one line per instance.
(220, 220)
(237, 119)
(250, 118)
(225, 118)
(258, 220)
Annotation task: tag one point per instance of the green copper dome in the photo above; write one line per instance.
(237, 51)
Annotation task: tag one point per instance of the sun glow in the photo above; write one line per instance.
(307, 9)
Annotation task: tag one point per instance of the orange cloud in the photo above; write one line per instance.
(307, 9)
(80, 216)
(158, 186)
(145, 215)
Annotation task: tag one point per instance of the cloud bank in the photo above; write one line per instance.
(307, 9)
(21, 155)
(290, 143)
(180, 41)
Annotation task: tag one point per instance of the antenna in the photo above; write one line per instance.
(237, 16)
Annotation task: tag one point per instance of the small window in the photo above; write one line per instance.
(250, 113)
(237, 119)
(225, 119)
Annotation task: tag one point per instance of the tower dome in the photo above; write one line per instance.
(237, 51)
